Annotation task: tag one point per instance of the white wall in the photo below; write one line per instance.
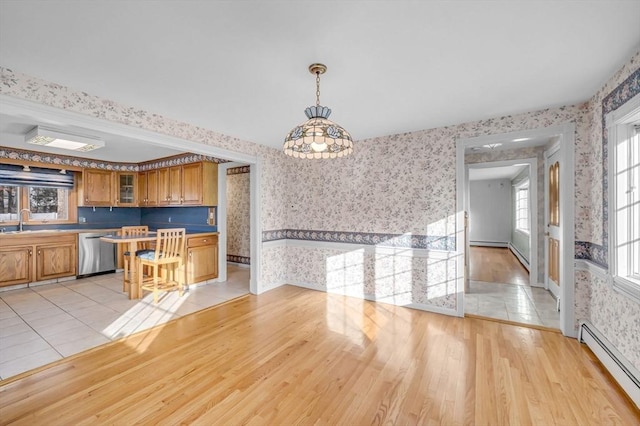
(490, 211)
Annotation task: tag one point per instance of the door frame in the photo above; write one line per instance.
(533, 206)
(566, 134)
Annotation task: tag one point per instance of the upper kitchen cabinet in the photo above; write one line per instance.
(107, 188)
(193, 184)
(97, 188)
(126, 189)
(148, 188)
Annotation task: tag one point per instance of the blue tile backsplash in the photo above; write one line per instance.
(194, 219)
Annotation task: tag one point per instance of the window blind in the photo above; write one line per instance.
(12, 175)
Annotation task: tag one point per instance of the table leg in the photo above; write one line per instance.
(133, 268)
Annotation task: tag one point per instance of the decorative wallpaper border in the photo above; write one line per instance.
(595, 253)
(64, 160)
(177, 161)
(428, 242)
(88, 163)
(239, 259)
(614, 100)
(238, 170)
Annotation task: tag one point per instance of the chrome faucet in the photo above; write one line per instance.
(21, 220)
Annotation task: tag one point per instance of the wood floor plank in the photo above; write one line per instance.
(496, 265)
(296, 356)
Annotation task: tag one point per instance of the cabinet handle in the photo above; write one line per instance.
(30, 252)
(38, 252)
(190, 254)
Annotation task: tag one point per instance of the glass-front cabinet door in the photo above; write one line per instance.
(126, 189)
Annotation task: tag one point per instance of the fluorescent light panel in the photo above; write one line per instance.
(45, 136)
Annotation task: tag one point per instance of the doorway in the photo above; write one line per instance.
(514, 148)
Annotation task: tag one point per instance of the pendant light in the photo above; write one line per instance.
(318, 137)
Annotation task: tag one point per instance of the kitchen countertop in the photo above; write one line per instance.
(49, 232)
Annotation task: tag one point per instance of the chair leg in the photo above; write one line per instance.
(138, 281)
(155, 284)
(126, 279)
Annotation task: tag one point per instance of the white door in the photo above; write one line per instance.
(553, 238)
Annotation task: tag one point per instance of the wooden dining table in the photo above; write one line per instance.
(132, 241)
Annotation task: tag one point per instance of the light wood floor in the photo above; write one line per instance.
(496, 265)
(296, 356)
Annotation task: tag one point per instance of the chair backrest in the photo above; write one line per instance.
(134, 230)
(128, 231)
(170, 244)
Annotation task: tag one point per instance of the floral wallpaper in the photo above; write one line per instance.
(393, 276)
(617, 317)
(238, 215)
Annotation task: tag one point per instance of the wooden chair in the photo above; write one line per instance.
(128, 231)
(169, 254)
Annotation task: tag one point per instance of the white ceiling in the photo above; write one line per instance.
(240, 67)
(493, 173)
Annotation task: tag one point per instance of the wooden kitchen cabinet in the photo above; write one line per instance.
(28, 258)
(97, 188)
(126, 189)
(106, 188)
(148, 188)
(15, 265)
(192, 181)
(55, 260)
(202, 257)
(194, 184)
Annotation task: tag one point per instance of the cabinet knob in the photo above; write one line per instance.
(30, 252)
(204, 241)
(38, 252)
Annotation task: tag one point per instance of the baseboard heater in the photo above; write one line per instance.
(618, 366)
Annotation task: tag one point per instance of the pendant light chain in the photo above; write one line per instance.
(317, 88)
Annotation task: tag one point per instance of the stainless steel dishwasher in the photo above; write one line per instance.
(95, 256)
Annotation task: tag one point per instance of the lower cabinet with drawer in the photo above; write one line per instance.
(202, 257)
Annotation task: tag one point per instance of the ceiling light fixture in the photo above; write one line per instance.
(46, 136)
(62, 172)
(26, 169)
(521, 139)
(318, 137)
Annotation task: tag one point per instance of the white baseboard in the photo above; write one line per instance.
(489, 244)
(522, 260)
(618, 366)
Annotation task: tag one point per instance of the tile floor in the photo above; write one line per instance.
(520, 303)
(45, 323)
